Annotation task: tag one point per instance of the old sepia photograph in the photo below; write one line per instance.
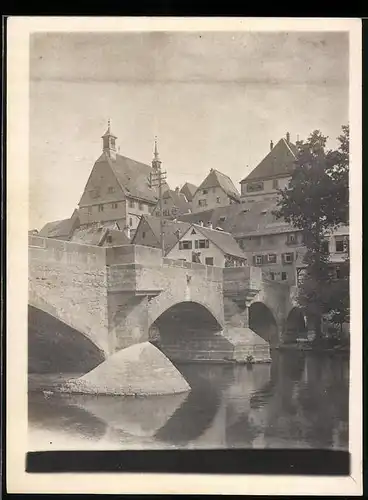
(189, 240)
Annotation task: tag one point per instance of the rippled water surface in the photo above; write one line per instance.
(298, 401)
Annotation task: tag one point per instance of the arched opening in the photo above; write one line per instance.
(187, 331)
(262, 321)
(295, 326)
(54, 347)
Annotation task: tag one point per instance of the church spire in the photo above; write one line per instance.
(156, 162)
(108, 142)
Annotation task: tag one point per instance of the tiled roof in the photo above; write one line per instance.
(218, 179)
(257, 218)
(170, 228)
(223, 240)
(89, 236)
(188, 190)
(179, 200)
(133, 177)
(219, 217)
(243, 219)
(58, 229)
(279, 161)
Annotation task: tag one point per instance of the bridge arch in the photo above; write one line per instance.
(55, 347)
(262, 322)
(295, 326)
(185, 327)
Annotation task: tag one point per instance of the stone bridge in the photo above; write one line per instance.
(119, 296)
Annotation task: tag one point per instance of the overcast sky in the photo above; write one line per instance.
(215, 100)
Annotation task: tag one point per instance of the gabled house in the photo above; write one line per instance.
(217, 190)
(174, 204)
(149, 230)
(118, 188)
(207, 246)
(272, 173)
(189, 190)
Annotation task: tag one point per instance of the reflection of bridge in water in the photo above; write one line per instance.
(116, 297)
(229, 406)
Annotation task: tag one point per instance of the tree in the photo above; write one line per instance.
(316, 201)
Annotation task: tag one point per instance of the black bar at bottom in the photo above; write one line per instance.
(229, 461)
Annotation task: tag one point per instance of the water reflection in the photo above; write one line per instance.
(299, 400)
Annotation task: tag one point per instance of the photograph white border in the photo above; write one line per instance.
(18, 481)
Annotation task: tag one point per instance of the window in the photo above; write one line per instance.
(109, 238)
(130, 222)
(288, 258)
(100, 208)
(185, 245)
(291, 239)
(141, 206)
(275, 184)
(165, 202)
(340, 247)
(143, 234)
(205, 191)
(110, 189)
(218, 200)
(202, 244)
(222, 218)
(209, 261)
(271, 258)
(89, 210)
(202, 203)
(254, 186)
(272, 275)
(114, 205)
(284, 276)
(131, 204)
(258, 260)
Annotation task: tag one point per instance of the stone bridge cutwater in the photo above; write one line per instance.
(116, 297)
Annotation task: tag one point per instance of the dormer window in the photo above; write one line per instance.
(205, 191)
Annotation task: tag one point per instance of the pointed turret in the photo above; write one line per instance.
(108, 142)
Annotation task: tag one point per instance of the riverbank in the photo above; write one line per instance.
(310, 347)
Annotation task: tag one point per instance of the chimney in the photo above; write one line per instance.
(271, 146)
(176, 190)
(200, 223)
(209, 225)
(127, 231)
(287, 137)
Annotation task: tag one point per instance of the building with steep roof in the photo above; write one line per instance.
(174, 204)
(149, 230)
(189, 190)
(205, 245)
(272, 173)
(118, 188)
(217, 190)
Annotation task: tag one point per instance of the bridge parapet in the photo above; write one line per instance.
(242, 281)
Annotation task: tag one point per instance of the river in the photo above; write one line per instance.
(300, 400)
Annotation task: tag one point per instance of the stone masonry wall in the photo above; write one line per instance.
(68, 281)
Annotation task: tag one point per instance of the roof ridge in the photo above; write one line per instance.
(287, 144)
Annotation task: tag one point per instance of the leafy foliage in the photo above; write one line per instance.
(317, 201)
